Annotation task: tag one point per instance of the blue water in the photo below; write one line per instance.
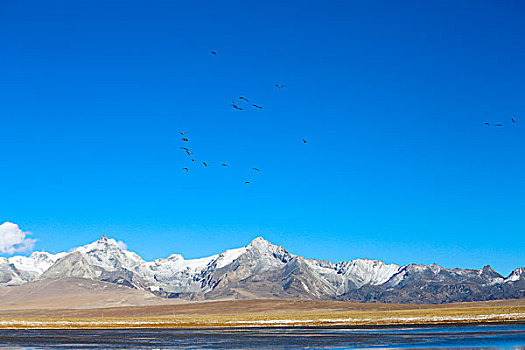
(455, 337)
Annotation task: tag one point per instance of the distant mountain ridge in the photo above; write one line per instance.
(264, 270)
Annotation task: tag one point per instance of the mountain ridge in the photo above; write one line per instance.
(264, 270)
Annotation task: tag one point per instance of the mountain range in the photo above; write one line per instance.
(263, 270)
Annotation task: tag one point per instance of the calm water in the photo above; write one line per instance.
(457, 337)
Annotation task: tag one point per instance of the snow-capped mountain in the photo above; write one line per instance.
(34, 265)
(517, 276)
(264, 270)
(21, 269)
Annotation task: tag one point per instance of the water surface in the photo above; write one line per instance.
(428, 337)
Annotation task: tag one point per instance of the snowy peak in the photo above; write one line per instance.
(172, 257)
(260, 243)
(104, 243)
(38, 261)
(266, 248)
(35, 265)
(516, 275)
(109, 254)
(365, 271)
(488, 270)
(488, 273)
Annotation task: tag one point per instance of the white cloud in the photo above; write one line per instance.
(13, 239)
(122, 245)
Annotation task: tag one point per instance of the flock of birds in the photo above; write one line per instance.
(192, 159)
(240, 103)
(514, 122)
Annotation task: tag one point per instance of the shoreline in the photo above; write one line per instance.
(265, 323)
(299, 327)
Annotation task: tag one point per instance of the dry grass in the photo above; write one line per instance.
(265, 313)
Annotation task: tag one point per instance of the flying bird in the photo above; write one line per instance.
(184, 148)
(246, 182)
(188, 153)
(205, 164)
(257, 106)
(185, 169)
(498, 124)
(193, 160)
(487, 123)
(213, 53)
(255, 169)
(304, 141)
(185, 139)
(236, 107)
(183, 133)
(224, 164)
(513, 121)
(278, 86)
(243, 98)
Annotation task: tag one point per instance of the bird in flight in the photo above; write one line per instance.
(278, 86)
(246, 182)
(243, 98)
(255, 169)
(487, 123)
(513, 121)
(192, 160)
(236, 107)
(183, 133)
(224, 164)
(185, 169)
(205, 164)
(185, 139)
(213, 53)
(304, 141)
(185, 148)
(498, 124)
(257, 106)
(188, 153)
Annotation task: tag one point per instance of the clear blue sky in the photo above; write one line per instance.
(392, 96)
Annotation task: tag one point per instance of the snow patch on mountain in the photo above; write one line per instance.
(516, 275)
(229, 256)
(366, 271)
(34, 265)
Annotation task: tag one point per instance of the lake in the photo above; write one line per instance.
(427, 337)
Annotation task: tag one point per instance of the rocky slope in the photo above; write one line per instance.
(264, 270)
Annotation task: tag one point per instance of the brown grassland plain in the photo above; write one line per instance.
(266, 313)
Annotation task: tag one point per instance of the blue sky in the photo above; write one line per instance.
(391, 95)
